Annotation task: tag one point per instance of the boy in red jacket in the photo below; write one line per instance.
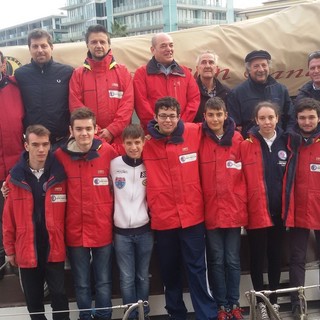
(224, 193)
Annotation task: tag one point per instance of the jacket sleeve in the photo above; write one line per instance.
(125, 109)
(289, 119)
(9, 226)
(75, 90)
(193, 98)
(142, 105)
(234, 108)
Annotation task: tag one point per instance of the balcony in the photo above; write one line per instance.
(200, 22)
(133, 7)
(72, 20)
(73, 36)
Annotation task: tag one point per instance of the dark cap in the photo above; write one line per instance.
(262, 54)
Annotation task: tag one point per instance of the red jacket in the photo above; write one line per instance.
(18, 225)
(106, 88)
(306, 191)
(90, 201)
(150, 84)
(222, 179)
(11, 127)
(173, 186)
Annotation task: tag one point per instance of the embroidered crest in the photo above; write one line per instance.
(120, 182)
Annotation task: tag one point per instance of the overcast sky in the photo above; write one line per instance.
(27, 10)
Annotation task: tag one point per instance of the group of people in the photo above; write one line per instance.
(204, 161)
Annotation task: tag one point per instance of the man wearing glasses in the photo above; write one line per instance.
(176, 207)
(312, 88)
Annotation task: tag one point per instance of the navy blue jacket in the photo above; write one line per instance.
(45, 95)
(307, 91)
(242, 100)
(274, 167)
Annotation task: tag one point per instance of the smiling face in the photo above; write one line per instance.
(259, 70)
(167, 119)
(314, 71)
(267, 120)
(98, 45)
(133, 147)
(40, 50)
(83, 130)
(162, 49)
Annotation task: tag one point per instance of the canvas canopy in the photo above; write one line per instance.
(289, 35)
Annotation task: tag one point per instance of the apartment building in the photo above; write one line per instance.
(18, 34)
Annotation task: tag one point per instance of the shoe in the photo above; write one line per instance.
(262, 313)
(276, 308)
(236, 313)
(297, 314)
(223, 314)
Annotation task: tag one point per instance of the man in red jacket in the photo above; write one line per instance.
(176, 207)
(33, 223)
(11, 129)
(163, 76)
(103, 85)
(86, 161)
(306, 205)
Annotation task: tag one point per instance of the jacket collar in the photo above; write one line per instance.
(269, 82)
(315, 136)
(131, 162)
(108, 62)
(154, 68)
(175, 138)
(228, 128)
(52, 168)
(75, 154)
(44, 67)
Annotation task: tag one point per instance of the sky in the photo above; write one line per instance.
(27, 10)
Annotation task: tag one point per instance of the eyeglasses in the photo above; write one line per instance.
(164, 116)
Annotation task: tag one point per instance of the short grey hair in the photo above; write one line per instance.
(215, 56)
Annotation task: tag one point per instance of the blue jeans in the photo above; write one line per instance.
(133, 254)
(101, 264)
(178, 248)
(223, 246)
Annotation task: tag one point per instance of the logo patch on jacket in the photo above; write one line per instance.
(314, 167)
(230, 164)
(120, 182)
(282, 155)
(188, 157)
(115, 94)
(58, 198)
(101, 181)
(143, 174)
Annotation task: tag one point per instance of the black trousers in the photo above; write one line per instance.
(33, 281)
(298, 244)
(266, 242)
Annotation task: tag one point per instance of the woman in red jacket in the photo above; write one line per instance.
(264, 157)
